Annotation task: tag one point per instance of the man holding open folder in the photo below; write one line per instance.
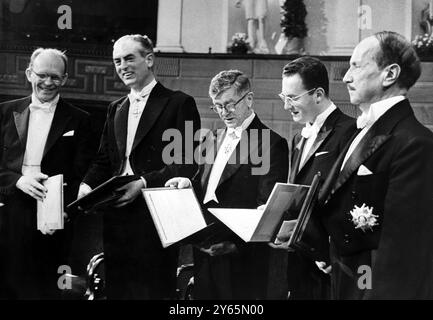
(305, 93)
(133, 143)
(377, 200)
(242, 162)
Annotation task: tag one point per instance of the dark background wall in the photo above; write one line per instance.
(93, 83)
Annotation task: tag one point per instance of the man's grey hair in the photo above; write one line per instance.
(227, 79)
(143, 40)
(57, 52)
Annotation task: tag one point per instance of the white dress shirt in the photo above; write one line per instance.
(310, 131)
(231, 140)
(368, 118)
(40, 119)
(137, 102)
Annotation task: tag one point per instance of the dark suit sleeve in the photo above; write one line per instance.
(278, 155)
(84, 154)
(8, 178)
(100, 169)
(403, 263)
(186, 113)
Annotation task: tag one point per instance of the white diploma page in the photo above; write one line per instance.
(253, 225)
(50, 212)
(176, 213)
(243, 222)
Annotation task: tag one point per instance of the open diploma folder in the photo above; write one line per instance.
(176, 213)
(309, 236)
(50, 212)
(253, 225)
(102, 196)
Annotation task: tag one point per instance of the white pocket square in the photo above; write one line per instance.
(320, 153)
(363, 171)
(69, 133)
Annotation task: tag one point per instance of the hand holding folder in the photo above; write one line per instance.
(50, 211)
(102, 196)
(284, 235)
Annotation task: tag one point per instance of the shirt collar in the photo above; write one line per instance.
(143, 92)
(314, 128)
(321, 118)
(245, 124)
(377, 109)
(50, 105)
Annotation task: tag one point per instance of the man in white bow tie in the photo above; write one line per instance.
(225, 267)
(132, 143)
(40, 136)
(305, 93)
(378, 197)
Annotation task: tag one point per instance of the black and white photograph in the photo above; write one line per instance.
(214, 155)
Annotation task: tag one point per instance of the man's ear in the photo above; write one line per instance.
(65, 78)
(29, 75)
(391, 74)
(249, 99)
(150, 60)
(320, 94)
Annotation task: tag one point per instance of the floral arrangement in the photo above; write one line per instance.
(423, 44)
(293, 19)
(239, 43)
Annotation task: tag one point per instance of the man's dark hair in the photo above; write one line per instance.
(312, 72)
(394, 48)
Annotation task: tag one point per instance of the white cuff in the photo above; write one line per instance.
(144, 182)
(84, 187)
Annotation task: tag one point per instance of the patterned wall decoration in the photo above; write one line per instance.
(93, 83)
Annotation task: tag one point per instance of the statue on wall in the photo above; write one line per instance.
(427, 18)
(255, 14)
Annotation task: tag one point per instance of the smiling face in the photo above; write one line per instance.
(303, 109)
(234, 118)
(134, 69)
(47, 76)
(364, 79)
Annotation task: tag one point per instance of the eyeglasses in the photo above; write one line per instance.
(57, 80)
(287, 99)
(229, 106)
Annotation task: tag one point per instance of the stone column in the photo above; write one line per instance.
(169, 29)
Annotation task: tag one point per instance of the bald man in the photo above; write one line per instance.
(40, 136)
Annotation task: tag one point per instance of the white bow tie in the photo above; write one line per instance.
(309, 131)
(45, 107)
(364, 120)
(133, 97)
(234, 133)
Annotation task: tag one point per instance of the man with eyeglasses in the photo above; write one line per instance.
(132, 143)
(40, 136)
(305, 94)
(225, 267)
